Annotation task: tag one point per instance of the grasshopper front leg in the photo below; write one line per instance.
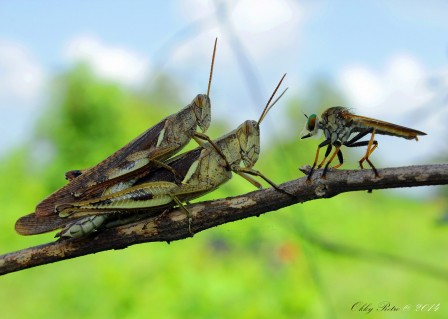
(205, 137)
(242, 171)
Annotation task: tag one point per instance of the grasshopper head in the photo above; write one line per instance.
(311, 126)
(248, 135)
(202, 110)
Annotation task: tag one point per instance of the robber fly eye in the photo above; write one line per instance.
(311, 122)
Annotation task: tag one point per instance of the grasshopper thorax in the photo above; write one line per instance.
(202, 111)
(248, 135)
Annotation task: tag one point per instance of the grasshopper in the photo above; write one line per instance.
(132, 161)
(202, 169)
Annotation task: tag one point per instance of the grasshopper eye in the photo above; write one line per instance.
(202, 110)
(200, 100)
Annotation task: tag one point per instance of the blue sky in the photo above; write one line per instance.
(371, 31)
(381, 54)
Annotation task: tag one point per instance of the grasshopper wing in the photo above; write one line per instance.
(31, 224)
(118, 167)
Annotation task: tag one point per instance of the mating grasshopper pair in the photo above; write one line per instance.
(142, 178)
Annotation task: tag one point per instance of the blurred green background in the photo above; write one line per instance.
(313, 260)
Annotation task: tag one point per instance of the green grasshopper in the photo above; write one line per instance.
(202, 169)
(132, 161)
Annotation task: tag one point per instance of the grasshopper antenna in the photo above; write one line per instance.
(211, 68)
(276, 100)
(268, 106)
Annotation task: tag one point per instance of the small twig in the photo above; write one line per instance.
(174, 225)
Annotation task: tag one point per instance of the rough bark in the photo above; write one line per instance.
(174, 225)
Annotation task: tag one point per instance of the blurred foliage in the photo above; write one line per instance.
(256, 268)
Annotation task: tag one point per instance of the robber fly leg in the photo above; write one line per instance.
(369, 151)
(354, 143)
(357, 137)
(359, 144)
(327, 152)
(341, 160)
(336, 151)
(366, 158)
(324, 143)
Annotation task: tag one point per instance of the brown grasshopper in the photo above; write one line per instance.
(203, 170)
(132, 161)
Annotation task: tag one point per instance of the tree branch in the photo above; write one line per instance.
(174, 225)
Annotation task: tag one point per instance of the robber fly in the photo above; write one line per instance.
(338, 125)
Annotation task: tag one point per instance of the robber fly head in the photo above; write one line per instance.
(311, 126)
